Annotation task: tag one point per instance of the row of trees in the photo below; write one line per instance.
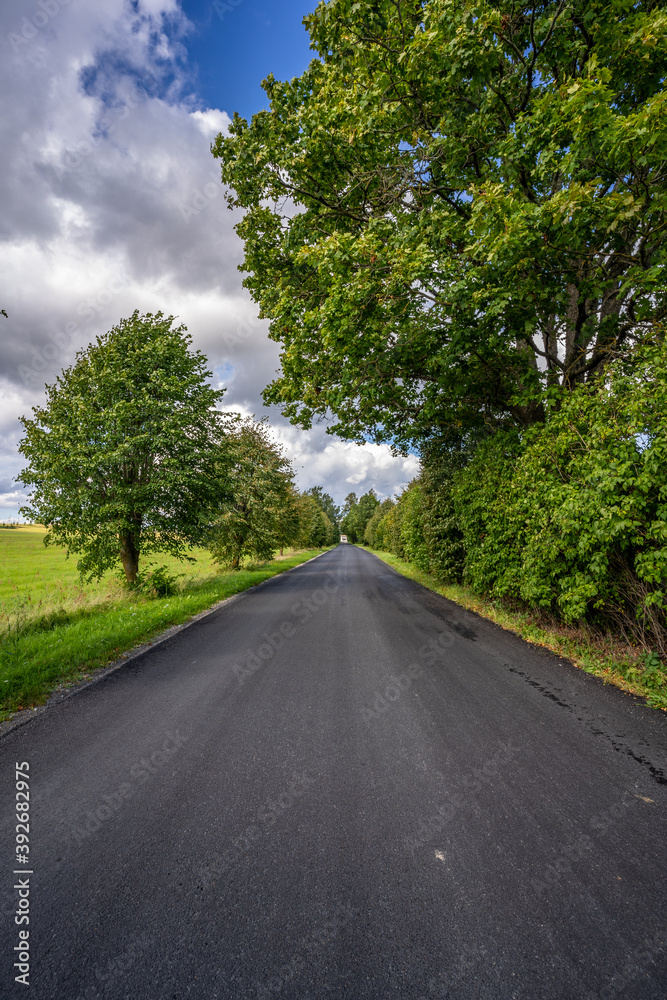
(456, 222)
(356, 515)
(130, 454)
(263, 510)
(569, 516)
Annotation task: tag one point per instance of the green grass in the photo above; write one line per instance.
(54, 631)
(605, 656)
(48, 576)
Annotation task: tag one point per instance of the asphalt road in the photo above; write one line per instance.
(341, 785)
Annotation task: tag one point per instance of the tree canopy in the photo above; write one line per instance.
(125, 456)
(459, 205)
(260, 514)
(326, 503)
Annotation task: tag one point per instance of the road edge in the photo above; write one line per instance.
(611, 679)
(66, 691)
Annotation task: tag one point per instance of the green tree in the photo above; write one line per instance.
(289, 519)
(357, 514)
(389, 529)
(319, 529)
(125, 457)
(366, 507)
(374, 534)
(252, 520)
(348, 525)
(326, 502)
(482, 208)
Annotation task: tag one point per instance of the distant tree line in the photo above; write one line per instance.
(263, 511)
(356, 515)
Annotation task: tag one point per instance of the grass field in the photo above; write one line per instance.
(47, 576)
(614, 661)
(53, 630)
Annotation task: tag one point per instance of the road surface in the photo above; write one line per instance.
(340, 785)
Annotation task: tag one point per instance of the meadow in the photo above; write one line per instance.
(55, 631)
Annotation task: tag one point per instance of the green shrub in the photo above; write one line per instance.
(443, 538)
(572, 516)
(492, 527)
(158, 582)
(389, 530)
(412, 527)
(374, 534)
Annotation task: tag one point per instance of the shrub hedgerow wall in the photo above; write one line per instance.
(570, 515)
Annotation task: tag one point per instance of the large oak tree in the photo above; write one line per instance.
(459, 205)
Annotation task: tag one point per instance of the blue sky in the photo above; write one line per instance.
(234, 50)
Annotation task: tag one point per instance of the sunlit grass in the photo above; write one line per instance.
(47, 579)
(54, 630)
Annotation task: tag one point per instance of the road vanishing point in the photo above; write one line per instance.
(341, 785)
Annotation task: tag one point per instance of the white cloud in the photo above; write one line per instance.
(343, 467)
(112, 202)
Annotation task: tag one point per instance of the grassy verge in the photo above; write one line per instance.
(605, 656)
(58, 634)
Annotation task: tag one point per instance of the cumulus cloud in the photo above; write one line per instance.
(112, 202)
(343, 467)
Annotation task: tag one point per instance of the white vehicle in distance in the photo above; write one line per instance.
(343, 538)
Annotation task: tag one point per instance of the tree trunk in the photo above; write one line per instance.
(532, 412)
(235, 560)
(551, 348)
(575, 351)
(129, 555)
